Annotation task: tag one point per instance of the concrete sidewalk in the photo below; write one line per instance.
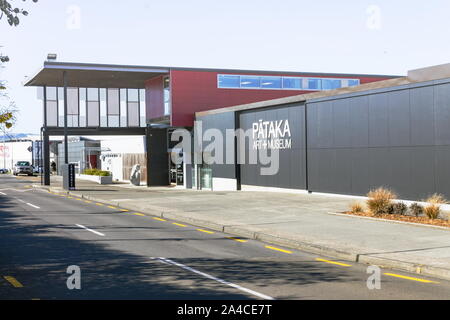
(299, 221)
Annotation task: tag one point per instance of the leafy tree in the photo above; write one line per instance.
(12, 13)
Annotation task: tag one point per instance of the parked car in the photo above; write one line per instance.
(23, 167)
(3, 171)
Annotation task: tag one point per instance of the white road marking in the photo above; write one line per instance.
(17, 190)
(21, 200)
(3, 194)
(32, 205)
(171, 262)
(93, 231)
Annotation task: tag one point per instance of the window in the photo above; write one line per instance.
(230, 81)
(292, 83)
(331, 84)
(250, 82)
(271, 82)
(166, 96)
(314, 84)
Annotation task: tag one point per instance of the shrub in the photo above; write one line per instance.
(399, 208)
(356, 207)
(96, 172)
(433, 210)
(380, 200)
(416, 209)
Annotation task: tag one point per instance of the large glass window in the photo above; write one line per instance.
(166, 96)
(292, 83)
(123, 107)
(250, 82)
(142, 107)
(286, 83)
(103, 111)
(228, 81)
(93, 107)
(271, 82)
(331, 84)
(353, 82)
(314, 84)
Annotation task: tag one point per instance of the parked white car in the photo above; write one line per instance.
(23, 167)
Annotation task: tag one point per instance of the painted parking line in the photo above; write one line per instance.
(237, 239)
(333, 262)
(3, 194)
(90, 230)
(139, 214)
(208, 276)
(158, 219)
(13, 281)
(278, 249)
(409, 278)
(179, 224)
(33, 206)
(205, 231)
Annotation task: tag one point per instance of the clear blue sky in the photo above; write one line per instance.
(348, 36)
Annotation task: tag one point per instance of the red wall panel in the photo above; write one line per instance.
(154, 97)
(194, 91)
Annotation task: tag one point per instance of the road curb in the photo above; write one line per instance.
(242, 231)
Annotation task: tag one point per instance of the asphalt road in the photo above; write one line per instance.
(127, 255)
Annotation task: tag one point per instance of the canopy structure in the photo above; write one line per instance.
(95, 99)
(93, 75)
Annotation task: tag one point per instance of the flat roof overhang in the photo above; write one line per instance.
(94, 75)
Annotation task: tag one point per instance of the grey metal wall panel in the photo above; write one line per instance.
(399, 139)
(422, 172)
(442, 114)
(422, 116)
(341, 123)
(324, 125)
(379, 172)
(399, 179)
(221, 122)
(360, 171)
(291, 170)
(342, 179)
(378, 120)
(399, 118)
(359, 121)
(442, 177)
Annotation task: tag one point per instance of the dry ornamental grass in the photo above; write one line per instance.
(380, 204)
(379, 200)
(433, 210)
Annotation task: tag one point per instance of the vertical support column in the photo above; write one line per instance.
(306, 149)
(46, 157)
(157, 157)
(66, 146)
(237, 149)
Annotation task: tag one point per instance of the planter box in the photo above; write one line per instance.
(98, 179)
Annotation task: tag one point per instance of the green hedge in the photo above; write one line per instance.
(96, 172)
